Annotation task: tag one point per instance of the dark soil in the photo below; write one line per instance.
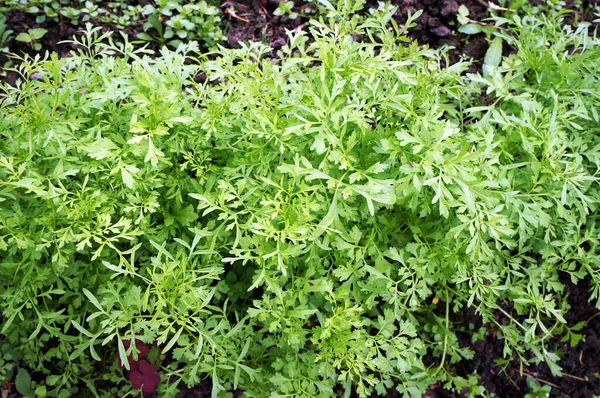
(581, 367)
(18, 21)
(203, 390)
(437, 26)
(253, 20)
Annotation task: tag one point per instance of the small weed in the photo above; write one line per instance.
(32, 37)
(537, 390)
(286, 8)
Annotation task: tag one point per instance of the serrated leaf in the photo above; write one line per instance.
(551, 360)
(136, 139)
(101, 149)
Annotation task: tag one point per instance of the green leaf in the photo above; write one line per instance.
(173, 340)
(470, 29)
(493, 56)
(551, 361)
(51, 380)
(37, 33)
(40, 391)
(23, 381)
(156, 23)
(23, 37)
(81, 329)
(144, 36)
(92, 299)
(116, 269)
(101, 149)
(127, 178)
(329, 217)
(122, 353)
(578, 326)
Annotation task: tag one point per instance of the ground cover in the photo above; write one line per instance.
(268, 216)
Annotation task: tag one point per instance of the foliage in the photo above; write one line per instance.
(5, 34)
(31, 37)
(159, 36)
(8, 360)
(536, 390)
(286, 8)
(301, 226)
(182, 20)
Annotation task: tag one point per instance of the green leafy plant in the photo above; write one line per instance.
(537, 390)
(493, 55)
(304, 226)
(286, 8)
(471, 27)
(8, 362)
(160, 37)
(31, 37)
(194, 20)
(5, 34)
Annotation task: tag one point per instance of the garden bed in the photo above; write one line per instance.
(452, 322)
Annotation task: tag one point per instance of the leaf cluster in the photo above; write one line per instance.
(302, 226)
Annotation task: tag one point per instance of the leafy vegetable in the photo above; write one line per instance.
(305, 225)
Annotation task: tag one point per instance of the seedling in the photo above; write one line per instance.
(493, 55)
(160, 36)
(471, 27)
(286, 8)
(537, 389)
(31, 37)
